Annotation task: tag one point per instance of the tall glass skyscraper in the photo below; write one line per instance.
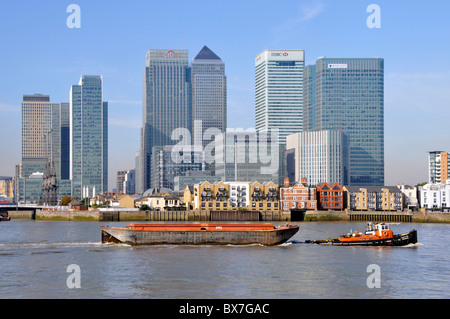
(166, 105)
(88, 137)
(348, 94)
(279, 92)
(209, 94)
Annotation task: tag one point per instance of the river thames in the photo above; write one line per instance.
(39, 260)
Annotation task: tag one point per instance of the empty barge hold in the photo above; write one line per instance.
(375, 235)
(199, 234)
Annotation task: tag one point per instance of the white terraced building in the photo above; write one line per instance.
(435, 196)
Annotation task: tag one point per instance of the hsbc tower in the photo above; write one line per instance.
(279, 92)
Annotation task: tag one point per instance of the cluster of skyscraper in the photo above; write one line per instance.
(323, 122)
(179, 98)
(64, 146)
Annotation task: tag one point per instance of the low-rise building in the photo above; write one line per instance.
(411, 201)
(330, 196)
(6, 186)
(382, 198)
(297, 196)
(435, 196)
(164, 202)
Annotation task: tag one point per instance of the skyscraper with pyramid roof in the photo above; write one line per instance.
(209, 95)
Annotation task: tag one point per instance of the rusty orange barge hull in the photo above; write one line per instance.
(199, 234)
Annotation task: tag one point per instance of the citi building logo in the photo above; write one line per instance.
(169, 54)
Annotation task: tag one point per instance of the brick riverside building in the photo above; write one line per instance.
(330, 196)
(297, 196)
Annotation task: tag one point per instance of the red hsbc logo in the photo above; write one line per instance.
(279, 54)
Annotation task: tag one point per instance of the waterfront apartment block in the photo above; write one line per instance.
(319, 156)
(330, 196)
(297, 195)
(348, 94)
(231, 196)
(438, 165)
(381, 198)
(435, 196)
(279, 92)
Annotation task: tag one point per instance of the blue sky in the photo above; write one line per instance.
(40, 54)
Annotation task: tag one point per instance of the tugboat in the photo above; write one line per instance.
(375, 235)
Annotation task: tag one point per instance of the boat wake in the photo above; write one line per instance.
(48, 245)
(415, 245)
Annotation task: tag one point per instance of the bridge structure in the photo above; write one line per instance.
(5, 208)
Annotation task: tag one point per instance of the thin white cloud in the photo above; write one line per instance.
(290, 25)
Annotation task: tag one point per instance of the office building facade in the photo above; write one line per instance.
(320, 156)
(209, 95)
(248, 156)
(168, 163)
(88, 137)
(348, 94)
(166, 105)
(36, 133)
(279, 92)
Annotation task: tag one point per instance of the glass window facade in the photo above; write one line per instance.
(209, 94)
(349, 96)
(89, 137)
(166, 105)
(279, 92)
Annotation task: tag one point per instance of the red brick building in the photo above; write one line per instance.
(330, 196)
(297, 196)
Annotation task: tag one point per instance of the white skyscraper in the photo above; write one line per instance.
(279, 92)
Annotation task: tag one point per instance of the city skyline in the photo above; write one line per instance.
(416, 72)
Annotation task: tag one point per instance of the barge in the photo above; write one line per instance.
(199, 234)
(375, 235)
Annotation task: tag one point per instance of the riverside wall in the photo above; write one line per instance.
(207, 216)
